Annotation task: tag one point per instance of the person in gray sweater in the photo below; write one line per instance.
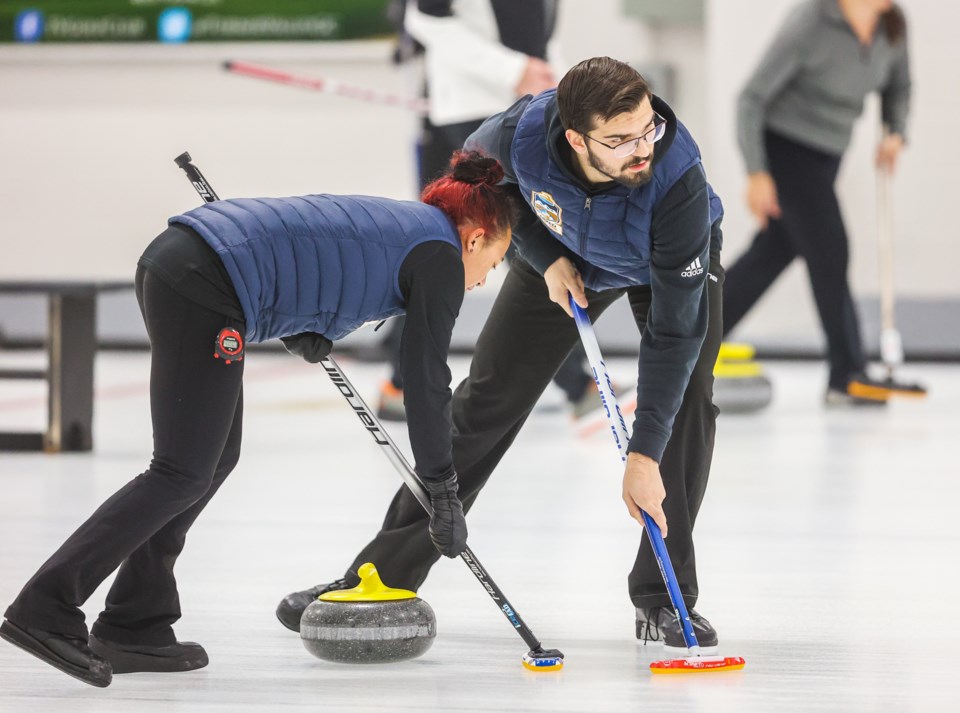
(795, 117)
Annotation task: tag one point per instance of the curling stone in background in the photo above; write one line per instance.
(371, 623)
(739, 384)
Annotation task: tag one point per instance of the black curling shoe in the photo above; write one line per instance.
(134, 658)
(660, 624)
(292, 606)
(72, 656)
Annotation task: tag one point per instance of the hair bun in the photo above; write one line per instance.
(475, 168)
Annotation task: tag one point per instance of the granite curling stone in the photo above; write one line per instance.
(739, 384)
(371, 623)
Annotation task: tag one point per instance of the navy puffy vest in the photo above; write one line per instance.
(318, 263)
(609, 230)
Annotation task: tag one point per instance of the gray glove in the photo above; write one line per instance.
(448, 526)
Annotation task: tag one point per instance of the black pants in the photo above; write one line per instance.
(196, 404)
(810, 227)
(522, 345)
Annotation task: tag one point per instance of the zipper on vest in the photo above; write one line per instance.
(583, 224)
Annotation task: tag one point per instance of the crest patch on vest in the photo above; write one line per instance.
(548, 211)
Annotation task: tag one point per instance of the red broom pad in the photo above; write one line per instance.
(698, 664)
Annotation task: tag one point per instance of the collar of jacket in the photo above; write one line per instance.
(559, 149)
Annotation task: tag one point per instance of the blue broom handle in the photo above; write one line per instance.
(618, 428)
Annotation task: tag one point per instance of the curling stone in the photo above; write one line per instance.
(371, 623)
(739, 384)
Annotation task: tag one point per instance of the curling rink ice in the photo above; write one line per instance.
(827, 551)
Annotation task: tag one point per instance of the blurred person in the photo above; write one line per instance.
(795, 117)
(309, 270)
(619, 205)
(480, 56)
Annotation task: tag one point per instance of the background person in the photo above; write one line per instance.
(480, 56)
(795, 117)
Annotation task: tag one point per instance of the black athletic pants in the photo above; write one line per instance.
(811, 227)
(522, 345)
(196, 403)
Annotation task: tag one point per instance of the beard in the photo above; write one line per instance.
(620, 174)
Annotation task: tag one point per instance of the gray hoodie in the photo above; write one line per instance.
(811, 83)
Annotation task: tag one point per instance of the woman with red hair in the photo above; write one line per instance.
(308, 270)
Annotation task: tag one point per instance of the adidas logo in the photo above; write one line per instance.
(693, 269)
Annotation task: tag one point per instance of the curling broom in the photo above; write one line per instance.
(891, 345)
(696, 662)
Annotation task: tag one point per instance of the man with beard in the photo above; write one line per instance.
(619, 205)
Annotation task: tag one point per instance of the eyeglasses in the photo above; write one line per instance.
(629, 147)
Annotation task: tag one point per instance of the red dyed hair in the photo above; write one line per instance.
(469, 192)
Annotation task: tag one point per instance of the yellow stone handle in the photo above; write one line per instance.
(370, 589)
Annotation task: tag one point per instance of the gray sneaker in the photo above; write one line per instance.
(660, 624)
(292, 606)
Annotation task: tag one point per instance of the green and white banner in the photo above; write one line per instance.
(191, 20)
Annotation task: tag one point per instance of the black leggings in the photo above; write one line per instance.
(197, 403)
(810, 227)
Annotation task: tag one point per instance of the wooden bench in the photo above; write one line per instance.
(71, 346)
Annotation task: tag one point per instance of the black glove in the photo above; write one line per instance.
(308, 345)
(448, 527)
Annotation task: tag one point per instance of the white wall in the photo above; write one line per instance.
(588, 29)
(592, 29)
(88, 135)
(738, 31)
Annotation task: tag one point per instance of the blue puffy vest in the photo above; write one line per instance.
(320, 263)
(610, 230)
